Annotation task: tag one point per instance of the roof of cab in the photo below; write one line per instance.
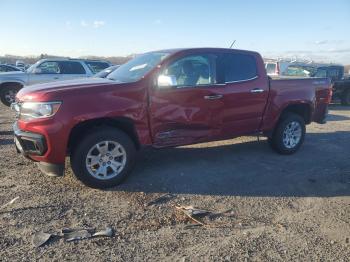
(204, 49)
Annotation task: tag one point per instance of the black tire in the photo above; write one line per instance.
(4, 92)
(276, 141)
(345, 98)
(80, 152)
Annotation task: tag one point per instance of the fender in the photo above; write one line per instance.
(19, 82)
(274, 113)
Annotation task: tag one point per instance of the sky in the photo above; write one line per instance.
(312, 30)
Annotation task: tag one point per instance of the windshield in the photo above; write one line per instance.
(138, 67)
(31, 68)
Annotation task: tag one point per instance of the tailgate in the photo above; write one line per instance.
(323, 94)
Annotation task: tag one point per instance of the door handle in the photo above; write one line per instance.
(56, 77)
(257, 90)
(213, 97)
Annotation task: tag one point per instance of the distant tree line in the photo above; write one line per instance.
(11, 59)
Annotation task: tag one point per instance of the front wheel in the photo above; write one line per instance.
(8, 94)
(288, 135)
(103, 158)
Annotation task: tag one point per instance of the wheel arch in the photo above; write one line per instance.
(16, 83)
(302, 109)
(83, 128)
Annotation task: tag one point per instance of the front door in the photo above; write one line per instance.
(47, 71)
(185, 110)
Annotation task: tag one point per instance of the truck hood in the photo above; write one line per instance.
(16, 75)
(57, 85)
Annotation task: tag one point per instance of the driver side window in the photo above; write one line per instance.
(194, 70)
(49, 68)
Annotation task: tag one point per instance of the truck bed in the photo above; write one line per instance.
(295, 90)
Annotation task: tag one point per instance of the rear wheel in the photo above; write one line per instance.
(345, 98)
(8, 93)
(288, 135)
(103, 158)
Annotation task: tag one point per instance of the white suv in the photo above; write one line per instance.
(47, 70)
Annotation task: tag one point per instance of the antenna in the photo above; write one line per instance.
(234, 41)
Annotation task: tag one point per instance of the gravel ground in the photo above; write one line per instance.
(264, 206)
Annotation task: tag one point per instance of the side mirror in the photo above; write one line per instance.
(37, 71)
(166, 81)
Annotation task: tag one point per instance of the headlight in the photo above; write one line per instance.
(34, 110)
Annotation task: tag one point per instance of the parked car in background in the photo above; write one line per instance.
(105, 72)
(46, 70)
(274, 67)
(277, 68)
(161, 99)
(21, 65)
(8, 68)
(341, 85)
(297, 71)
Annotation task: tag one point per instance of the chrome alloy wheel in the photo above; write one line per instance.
(292, 135)
(106, 160)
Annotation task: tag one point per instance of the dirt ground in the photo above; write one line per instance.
(264, 206)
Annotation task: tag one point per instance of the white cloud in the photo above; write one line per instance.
(97, 23)
(328, 42)
(83, 23)
(157, 22)
(321, 42)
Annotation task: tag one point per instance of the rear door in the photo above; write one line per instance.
(187, 109)
(245, 92)
(71, 70)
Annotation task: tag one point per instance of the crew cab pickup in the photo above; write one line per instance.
(46, 70)
(162, 99)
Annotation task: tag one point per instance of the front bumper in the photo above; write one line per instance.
(33, 144)
(29, 143)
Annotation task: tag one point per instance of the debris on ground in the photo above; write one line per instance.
(9, 203)
(70, 234)
(41, 238)
(77, 235)
(161, 199)
(190, 212)
(108, 232)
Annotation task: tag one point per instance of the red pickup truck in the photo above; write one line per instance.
(161, 99)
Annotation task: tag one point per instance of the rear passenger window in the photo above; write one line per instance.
(69, 67)
(235, 67)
